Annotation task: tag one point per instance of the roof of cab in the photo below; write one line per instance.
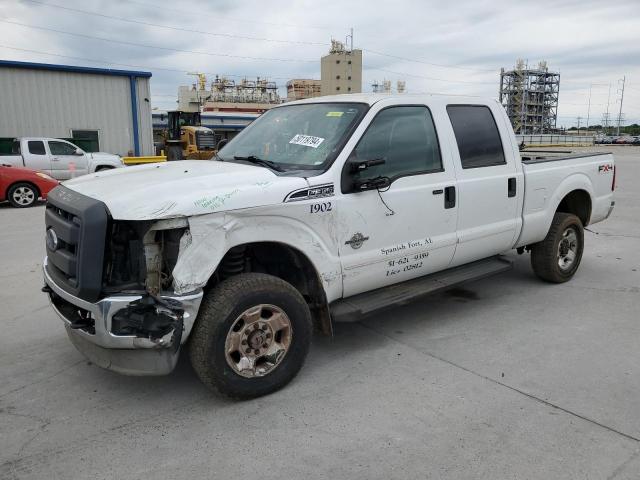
(41, 138)
(371, 98)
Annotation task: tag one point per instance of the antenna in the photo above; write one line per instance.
(349, 40)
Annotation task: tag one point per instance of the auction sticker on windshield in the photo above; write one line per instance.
(306, 140)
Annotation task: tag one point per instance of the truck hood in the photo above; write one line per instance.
(184, 188)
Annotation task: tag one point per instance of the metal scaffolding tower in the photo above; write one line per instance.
(530, 97)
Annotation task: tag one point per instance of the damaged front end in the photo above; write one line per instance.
(138, 322)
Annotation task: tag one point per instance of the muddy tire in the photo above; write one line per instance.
(557, 258)
(23, 195)
(251, 336)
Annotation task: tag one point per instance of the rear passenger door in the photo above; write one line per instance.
(65, 163)
(489, 183)
(35, 156)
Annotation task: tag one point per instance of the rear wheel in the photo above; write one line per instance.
(251, 337)
(22, 195)
(557, 258)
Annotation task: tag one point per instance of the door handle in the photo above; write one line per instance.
(511, 187)
(449, 197)
(439, 191)
(54, 159)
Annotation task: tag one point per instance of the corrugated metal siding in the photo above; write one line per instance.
(51, 104)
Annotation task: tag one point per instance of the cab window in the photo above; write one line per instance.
(405, 138)
(61, 148)
(477, 136)
(36, 147)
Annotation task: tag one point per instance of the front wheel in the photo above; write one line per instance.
(557, 258)
(22, 195)
(251, 336)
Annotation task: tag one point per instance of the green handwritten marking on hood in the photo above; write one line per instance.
(184, 188)
(215, 202)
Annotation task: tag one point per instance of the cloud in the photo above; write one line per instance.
(589, 42)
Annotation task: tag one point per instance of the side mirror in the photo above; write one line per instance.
(371, 184)
(355, 166)
(78, 151)
(353, 173)
(358, 168)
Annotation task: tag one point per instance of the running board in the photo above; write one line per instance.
(351, 308)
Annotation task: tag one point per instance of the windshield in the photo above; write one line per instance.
(307, 136)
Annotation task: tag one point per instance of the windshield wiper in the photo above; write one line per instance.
(260, 161)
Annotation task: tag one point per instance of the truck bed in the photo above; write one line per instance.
(550, 175)
(541, 156)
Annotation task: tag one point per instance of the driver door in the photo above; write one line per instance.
(405, 230)
(65, 163)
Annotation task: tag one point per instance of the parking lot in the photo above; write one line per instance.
(507, 377)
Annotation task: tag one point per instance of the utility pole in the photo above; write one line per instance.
(606, 117)
(589, 108)
(579, 118)
(621, 100)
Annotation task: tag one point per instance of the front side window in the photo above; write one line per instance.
(36, 147)
(477, 136)
(405, 138)
(294, 137)
(61, 148)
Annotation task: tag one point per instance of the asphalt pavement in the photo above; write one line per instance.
(507, 377)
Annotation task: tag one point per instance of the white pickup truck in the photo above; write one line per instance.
(321, 210)
(58, 158)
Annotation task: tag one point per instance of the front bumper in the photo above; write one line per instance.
(130, 355)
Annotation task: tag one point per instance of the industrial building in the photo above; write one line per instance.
(300, 88)
(341, 70)
(98, 109)
(226, 95)
(385, 86)
(530, 97)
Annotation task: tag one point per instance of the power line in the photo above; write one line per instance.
(123, 42)
(232, 19)
(229, 35)
(414, 60)
(128, 65)
(169, 27)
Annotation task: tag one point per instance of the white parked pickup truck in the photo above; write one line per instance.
(58, 158)
(321, 210)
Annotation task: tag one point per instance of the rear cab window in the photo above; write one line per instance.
(477, 136)
(36, 147)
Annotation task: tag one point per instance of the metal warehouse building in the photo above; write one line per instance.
(98, 109)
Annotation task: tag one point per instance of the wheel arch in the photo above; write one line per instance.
(577, 202)
(284, 261)
(11, 185)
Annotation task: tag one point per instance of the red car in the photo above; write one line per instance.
(22, 187)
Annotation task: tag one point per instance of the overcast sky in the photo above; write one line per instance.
(455, 46)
